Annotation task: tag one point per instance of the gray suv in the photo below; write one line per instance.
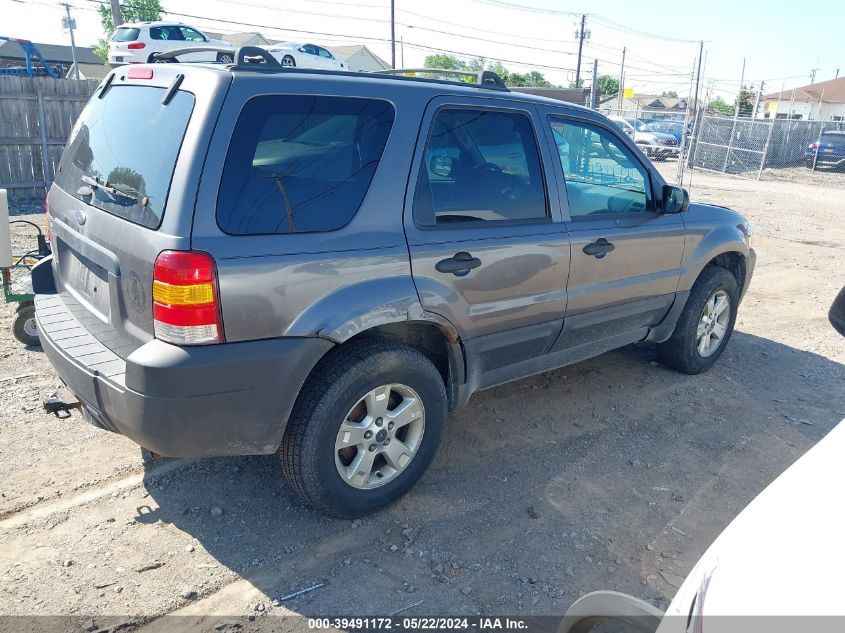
(321, 265)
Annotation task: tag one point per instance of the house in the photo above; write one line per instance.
(58, 56)
(655, 106)
(822, 101)
(570, 95)
(239, 39)
(359, 57)
(89, 71)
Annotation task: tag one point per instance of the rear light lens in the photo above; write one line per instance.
(814, 146)
(186, 307)
(140, 73)
(136, 46)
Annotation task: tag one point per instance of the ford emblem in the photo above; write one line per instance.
(80, 217)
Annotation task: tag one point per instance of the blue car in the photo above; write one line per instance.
(675, 128)
(828, 152)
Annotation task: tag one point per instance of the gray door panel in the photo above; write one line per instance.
(625, 262)
(519, 284)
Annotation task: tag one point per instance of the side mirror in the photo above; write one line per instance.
(675, 199)
(837, 313)
(442, 166)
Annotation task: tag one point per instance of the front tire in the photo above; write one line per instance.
(365, 427)
(25, 327)
(705, 325)
(288, 62)
(225, 58)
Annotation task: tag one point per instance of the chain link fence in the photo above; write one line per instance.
(777, 149)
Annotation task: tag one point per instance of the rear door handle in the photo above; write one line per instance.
(459, 264)
(599, 248)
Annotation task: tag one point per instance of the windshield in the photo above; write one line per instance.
(122, 152)
(639, 126)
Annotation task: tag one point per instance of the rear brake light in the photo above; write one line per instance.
(136, 46)
(140, 73)
(814, 146)
(186, 307)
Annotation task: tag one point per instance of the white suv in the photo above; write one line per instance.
(136, 42)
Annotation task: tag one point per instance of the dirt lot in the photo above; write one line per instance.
(615, 473)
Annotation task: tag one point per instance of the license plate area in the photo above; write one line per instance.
(87, 281)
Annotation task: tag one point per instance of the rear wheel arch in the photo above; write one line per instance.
(438, 342)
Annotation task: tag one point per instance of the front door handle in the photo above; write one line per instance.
(599, 248)
(459, 264)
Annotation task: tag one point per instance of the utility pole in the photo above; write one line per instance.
(622, 77)
(116, 15)
(739, 95)
(392, 33)
(580, 35)
(757, 102)
(698, 76)
(813, 75)
(402, 50)
(69, 23)
(594, 89)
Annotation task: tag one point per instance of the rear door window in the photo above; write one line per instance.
(480, 166)
(122, 152)
(301, 163)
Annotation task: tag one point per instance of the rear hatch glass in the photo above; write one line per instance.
(125, 34)
(834, 139)
(122, 152)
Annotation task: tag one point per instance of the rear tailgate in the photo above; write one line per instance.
(125, 191)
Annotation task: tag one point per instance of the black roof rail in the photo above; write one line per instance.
(483, 78)
(246, 57)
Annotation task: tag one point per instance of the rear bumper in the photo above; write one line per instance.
(229, 399)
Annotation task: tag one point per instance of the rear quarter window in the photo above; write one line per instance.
(301, 163)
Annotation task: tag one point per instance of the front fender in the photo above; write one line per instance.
(706, 240)
(353, 309)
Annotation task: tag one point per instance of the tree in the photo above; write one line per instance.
(669, 93)
(718, 104)
(532, 79)
(132, 11)
(608, 85)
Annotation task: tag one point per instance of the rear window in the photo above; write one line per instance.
(834, 138)
(301, 164)
(125, 35)
(122, 152)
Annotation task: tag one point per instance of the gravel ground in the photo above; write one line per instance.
(615, 473)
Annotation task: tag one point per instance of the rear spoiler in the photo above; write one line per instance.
(246, 57)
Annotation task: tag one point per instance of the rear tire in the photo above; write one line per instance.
(683, 351)
(288, 62)
(225, 58)
(25, 327)
(310, 455)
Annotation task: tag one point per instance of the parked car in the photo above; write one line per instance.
(137, 42)
(678, 129)
(291, 55)
(321, 267)
(655, 144)
(829, 151)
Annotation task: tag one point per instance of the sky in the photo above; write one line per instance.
(780, 43)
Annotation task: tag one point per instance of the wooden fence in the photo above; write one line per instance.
(36, 117)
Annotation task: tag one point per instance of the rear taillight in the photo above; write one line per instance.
(813, 146)
(186, 307)
(136, 46)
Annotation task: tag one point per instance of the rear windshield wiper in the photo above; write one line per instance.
(115, 191)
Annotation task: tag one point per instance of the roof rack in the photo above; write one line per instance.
(246, 57)
(483, 78)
